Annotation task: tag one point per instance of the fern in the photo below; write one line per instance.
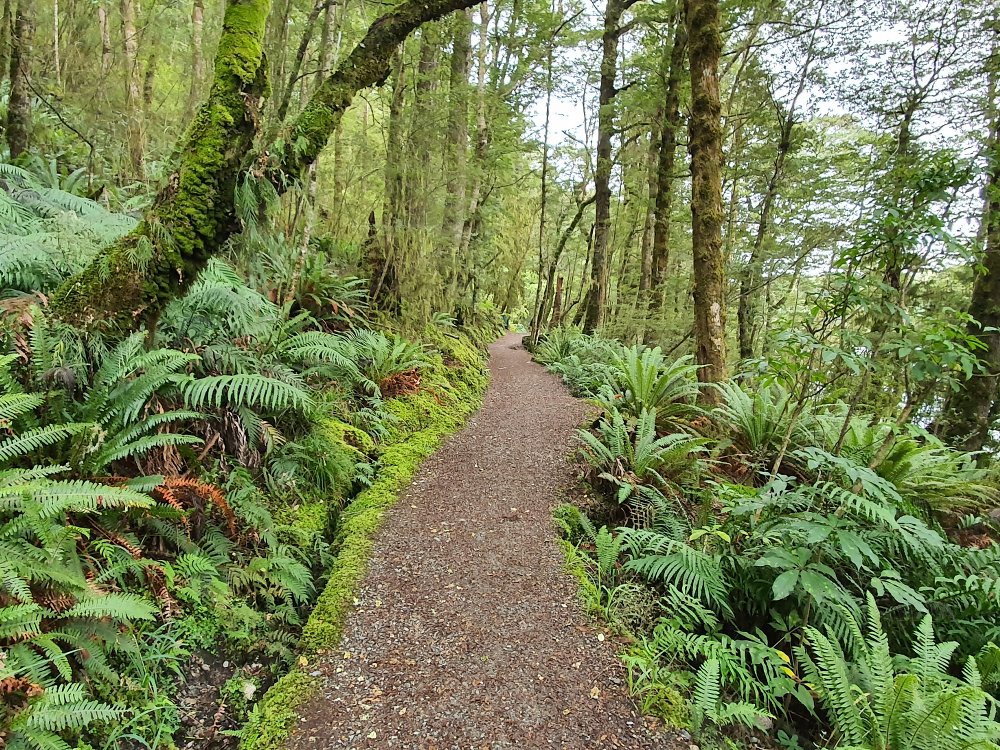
(254, 391)
(874, 703)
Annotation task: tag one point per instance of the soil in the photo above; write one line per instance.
(467, 632)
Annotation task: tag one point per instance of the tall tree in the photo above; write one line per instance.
(705, 146)
(663, 203)
(135, 131)
(748, 309)
(197, 53)
(610, 37)
(456, 149)
(19, 100)
(970, 411)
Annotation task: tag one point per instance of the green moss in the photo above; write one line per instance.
(272, 719)
(355, 441)
(423, 419)
(574, 565)
(193, 212)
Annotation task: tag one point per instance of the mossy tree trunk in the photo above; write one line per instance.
(456, 152)
(663, 203)
(19, 100)
(705, 146)
(610, 37)
(131, 281)
(969, 412)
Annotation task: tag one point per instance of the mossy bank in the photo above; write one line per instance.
(449, 392)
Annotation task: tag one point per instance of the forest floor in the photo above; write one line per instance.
(467, 632)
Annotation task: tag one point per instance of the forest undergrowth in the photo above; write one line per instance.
(787, 571)
(173, 505)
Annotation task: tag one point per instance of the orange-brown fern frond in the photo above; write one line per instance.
(194, 492)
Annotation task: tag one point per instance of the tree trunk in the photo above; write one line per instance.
(665, 170)
(705, 147)
(197, 54)
(196, 209)
(556, 318)
(456, 150)
(105, 28)
(537, 320)
(6, 27)
(383, 256)
(135, 136)
(652, 181)
(19, 100)
(473, 215)
(969, 412)
(422, 129)
(148, 82)
(56, 61)
(597, 297)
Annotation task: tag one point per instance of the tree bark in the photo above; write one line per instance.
(383, 256)
(197, 53)
(652, 182)
(597, 298)
(148, 84)
(56, 61)
(135, 136)
(195, 213)
(456, 150)
(665, 169)
(105, 28)
(19, 100)
(705, 147)
(422, 129)
(969, 413)
(6, 29)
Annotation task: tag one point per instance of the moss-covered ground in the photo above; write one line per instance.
(451, 390)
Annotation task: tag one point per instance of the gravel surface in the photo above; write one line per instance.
(467, 632)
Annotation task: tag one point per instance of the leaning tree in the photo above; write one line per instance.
(130, 282)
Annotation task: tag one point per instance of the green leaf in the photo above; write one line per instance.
(784, 584)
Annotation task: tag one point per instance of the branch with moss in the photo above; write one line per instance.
(130, 282)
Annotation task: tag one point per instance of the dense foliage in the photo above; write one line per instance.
(244, 246)
(774, 556)
(175, 493)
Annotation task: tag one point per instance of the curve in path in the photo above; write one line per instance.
(468, 633)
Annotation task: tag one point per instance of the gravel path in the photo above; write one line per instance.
(467, 633)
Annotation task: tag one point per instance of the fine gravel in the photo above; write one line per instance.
(467, 633)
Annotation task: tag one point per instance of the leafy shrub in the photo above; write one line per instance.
(631, 460)
(381, 356)
(642, 380)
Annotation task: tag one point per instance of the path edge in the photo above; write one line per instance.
(453, 391)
